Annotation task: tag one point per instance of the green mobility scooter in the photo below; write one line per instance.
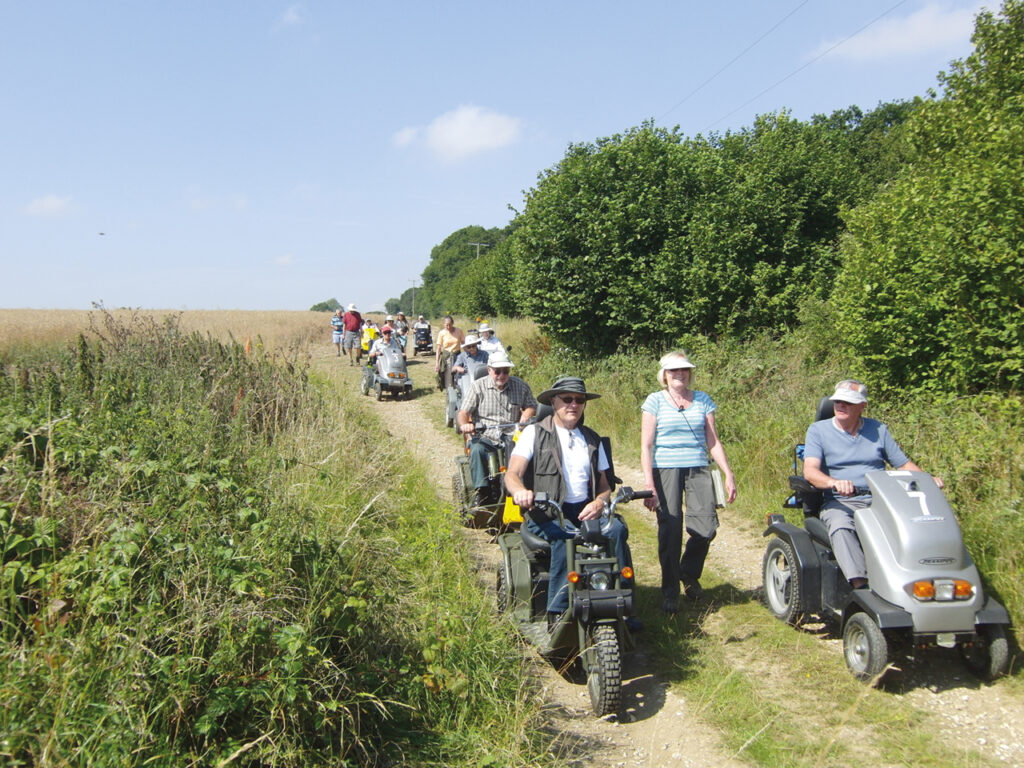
(593, 629)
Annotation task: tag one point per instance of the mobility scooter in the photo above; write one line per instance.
(923, 587)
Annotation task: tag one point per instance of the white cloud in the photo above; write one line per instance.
(284, 260)
(934, 27)
(405, 137)
(292, 16)
(465, 131)
(49, 205)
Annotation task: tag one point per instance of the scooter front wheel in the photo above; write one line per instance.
(503, 590)
(865, 647)
(603, 665)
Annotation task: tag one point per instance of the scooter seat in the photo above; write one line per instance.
(533, 545)
(818, 530)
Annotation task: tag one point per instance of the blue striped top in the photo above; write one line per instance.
(679, 440)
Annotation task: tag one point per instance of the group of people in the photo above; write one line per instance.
(679, 442)
(454, 350)
(356, 336)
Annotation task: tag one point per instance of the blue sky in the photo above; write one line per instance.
(269, 155)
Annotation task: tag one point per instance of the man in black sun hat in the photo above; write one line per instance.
(566, 460)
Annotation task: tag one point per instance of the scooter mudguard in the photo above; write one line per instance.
(991, 613)
(886, 615)
(517, 575)
(807, 561)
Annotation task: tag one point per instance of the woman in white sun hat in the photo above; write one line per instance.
(677, 436)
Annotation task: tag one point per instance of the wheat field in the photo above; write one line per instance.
(22, 328)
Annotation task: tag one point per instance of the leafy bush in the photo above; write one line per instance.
(640, 237)
(932, 286)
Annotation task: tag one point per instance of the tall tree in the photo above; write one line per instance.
(932, 291)
(447, 260)
(643, 237)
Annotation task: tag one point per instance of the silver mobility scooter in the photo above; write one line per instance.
(924, 589)
(388, 374)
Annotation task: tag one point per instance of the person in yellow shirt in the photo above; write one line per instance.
(369, 335)
(448, 344)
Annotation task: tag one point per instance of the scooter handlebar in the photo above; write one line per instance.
(481, 428)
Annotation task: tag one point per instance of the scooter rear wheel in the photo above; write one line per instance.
(603, 665)
(865, 647)
(989, 656)
(781, 579)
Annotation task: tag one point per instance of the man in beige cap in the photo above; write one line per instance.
(492, 405)
(847, 446)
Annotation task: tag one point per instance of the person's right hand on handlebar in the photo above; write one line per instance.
(523, 499)
(843, 487)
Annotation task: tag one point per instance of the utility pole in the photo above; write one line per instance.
(478, 246)
(413, 313)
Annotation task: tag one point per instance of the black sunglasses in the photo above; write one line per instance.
(580, 400)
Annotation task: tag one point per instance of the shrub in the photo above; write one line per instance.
(932, 285)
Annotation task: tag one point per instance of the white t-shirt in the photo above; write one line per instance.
(575, 467)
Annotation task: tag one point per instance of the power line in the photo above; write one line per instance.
(732, 61)
(806, 65)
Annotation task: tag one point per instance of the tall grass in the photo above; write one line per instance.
(203, 563)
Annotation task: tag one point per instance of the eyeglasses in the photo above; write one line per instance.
(570, 399)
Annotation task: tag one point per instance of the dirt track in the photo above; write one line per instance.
(656, 727)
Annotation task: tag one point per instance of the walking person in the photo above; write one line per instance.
(448, 344)
(677, 436)
(338, 329)
(353, 322)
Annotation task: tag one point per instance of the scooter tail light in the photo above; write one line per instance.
(574, 577)
(923, 590)
(962, 590)
(627, 572)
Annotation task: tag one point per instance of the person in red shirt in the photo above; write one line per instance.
(353, 322)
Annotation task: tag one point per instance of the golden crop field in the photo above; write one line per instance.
(21, 328)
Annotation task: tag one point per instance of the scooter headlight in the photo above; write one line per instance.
(600, 580)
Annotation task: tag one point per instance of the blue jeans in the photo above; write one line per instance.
(558, 569)
(479, 448)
